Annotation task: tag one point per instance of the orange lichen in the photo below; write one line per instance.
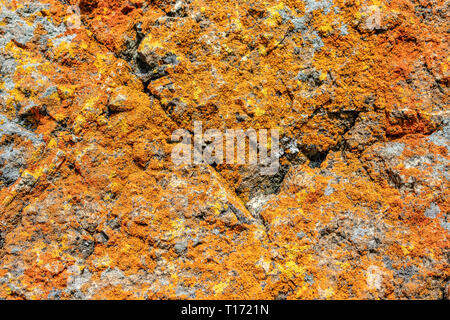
(97, 210)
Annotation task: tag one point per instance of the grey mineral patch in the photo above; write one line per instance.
(185, 291)
(440, 169)
(16, 28)
(325, 5)
(418, 161)
(12, 158)
(32, 7)
(301, 24)
(78, 279)
(300, 235)
(86, 247)
(443, 221)
(292, 146)
(309, 278)
(394, 149)
(256, 204)
(344, 30)
(9, 84)
(329, 190)
(181, 247)
(387, 262)
(8, 66)
(441, 137)
(20, 30)
(8, 127)
(406, 272)
(55, 294)
(301, 76)
(432, 211)
(112, 276)
(359, 233)
(12, 161)
(49, 91)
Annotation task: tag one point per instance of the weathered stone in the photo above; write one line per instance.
(93, 207)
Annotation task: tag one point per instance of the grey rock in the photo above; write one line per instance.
(432, 211)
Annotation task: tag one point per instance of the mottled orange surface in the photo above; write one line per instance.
(97, 209)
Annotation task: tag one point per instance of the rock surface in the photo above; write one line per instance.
(92, 206)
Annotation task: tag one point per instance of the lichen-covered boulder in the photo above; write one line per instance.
(92, 205)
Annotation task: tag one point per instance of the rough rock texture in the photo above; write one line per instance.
(91, 205)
